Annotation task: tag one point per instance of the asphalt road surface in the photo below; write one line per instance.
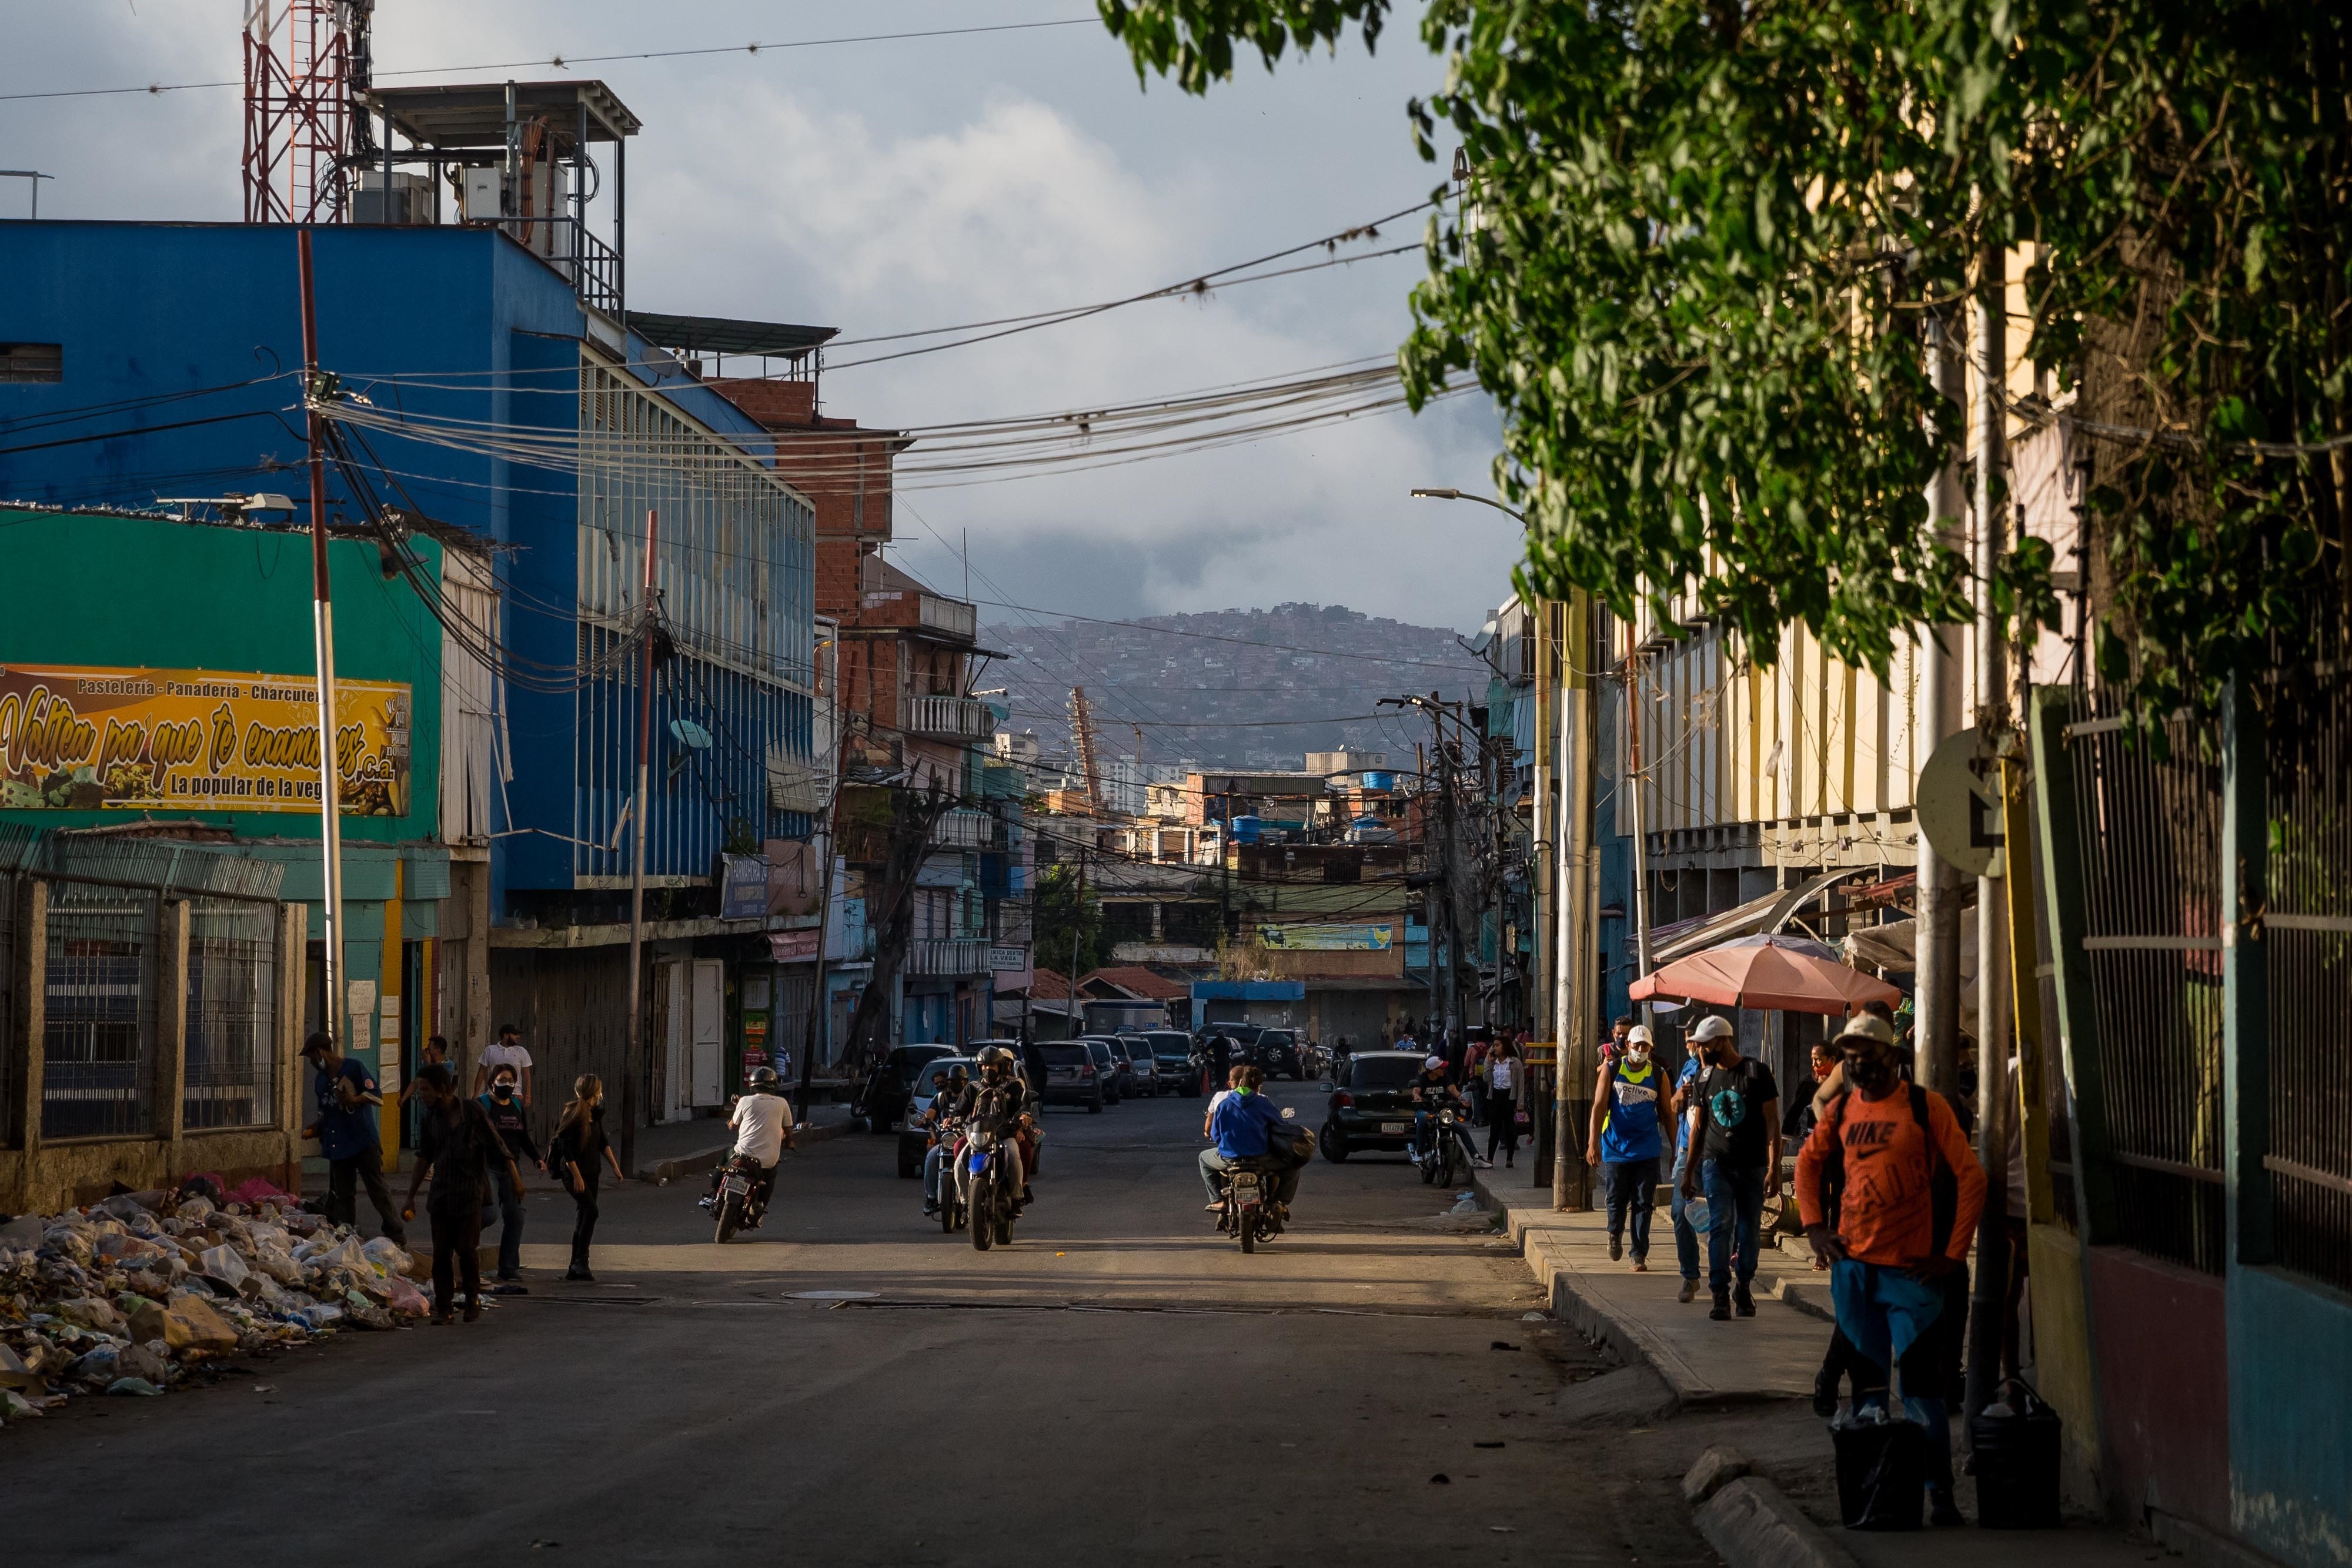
(1120, 1385)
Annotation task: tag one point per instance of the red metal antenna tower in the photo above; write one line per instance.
(300, 59)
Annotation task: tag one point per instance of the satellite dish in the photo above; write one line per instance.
(1958, 805)
(689, 734)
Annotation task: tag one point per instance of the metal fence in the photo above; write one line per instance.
(98, 1077)
(229, 1073)
(2148, 831)
(2308, 935)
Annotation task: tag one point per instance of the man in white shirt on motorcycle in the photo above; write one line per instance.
(762, 1120)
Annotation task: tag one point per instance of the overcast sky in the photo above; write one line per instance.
(885, 186)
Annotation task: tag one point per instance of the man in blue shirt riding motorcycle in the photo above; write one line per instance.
(1247, 1126)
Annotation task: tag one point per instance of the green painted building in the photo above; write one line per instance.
(156, 680)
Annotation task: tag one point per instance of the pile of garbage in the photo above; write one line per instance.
(150, 1290)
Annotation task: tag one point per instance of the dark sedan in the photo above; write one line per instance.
(1111, 1067)
(1371, 1103)
(1071, 1076)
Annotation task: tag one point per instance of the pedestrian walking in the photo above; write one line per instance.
(1619, 1033)
(1630, 1100)
(1474, 1064)
(464, 1155)
(508, 1051)
(1913, 1191)
(504, 1108)
(437, 1052)
(573, 1156)
(1683, 1109)
(1737, 1165)
(345, 1095)
(1503, 1071)
(1221, 1062)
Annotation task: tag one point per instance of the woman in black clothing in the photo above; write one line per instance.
(571, 1155)
(465, 1156)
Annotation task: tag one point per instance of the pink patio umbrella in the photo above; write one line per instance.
(1768, 976)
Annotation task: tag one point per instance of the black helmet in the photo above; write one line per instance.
(994, 1056)
(764, 1077)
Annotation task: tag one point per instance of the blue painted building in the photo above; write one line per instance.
(153, 362)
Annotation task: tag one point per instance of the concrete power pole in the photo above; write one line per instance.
(1937, 931)
(1987, 1297)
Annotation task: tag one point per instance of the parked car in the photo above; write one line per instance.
(1071, 1076)
(929, 1079)
(1173, 1065)
(1276, 1052)
(1110, 1063)
(1141, 1073)
(882, 1099)
(1371, 1103)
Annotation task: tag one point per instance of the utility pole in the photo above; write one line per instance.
(634, 1053)
(1991, 1289)
(322, 633)
(821, 1011)
(1935, 933)
(1077, 920)
(1576, 891)
(1635, 786)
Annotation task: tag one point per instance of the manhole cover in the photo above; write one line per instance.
(832, 1295)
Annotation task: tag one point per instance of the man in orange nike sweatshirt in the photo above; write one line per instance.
(1913, 1191)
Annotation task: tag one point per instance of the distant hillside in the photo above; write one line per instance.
(1232, 689)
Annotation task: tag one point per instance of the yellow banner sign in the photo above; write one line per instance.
(76, 739)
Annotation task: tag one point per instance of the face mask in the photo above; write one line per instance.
(1638, 1053)
(1869, 1074)
(502, 1090)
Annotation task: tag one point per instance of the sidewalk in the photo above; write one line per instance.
(1705, 1363)
(1744, 1385)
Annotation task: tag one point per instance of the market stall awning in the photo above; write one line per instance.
(1767, 977)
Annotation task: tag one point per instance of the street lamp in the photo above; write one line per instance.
(1521, 517)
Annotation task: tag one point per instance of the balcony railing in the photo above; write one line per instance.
(952, 616)
(950, 718)
(962, 830)
(947, 959)
(569, 245)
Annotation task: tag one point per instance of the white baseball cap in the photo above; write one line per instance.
(1434, 1061)
(1638, 1035)
(1713, 1027)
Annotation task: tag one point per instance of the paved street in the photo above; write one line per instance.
(1117, 1385)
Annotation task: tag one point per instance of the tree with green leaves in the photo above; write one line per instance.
(1697, 242)
(1058, 905)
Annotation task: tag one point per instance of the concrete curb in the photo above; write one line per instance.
(1752, 1523)
(663, 1172)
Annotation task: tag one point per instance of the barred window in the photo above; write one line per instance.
(230, 1074)
(98, 1077)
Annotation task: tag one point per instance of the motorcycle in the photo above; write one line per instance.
(1441, 1156)
(989, 1195)
(949, 1136)
(734, 1200)
(1249, 1214)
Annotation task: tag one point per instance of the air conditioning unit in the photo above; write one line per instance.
(410, 201)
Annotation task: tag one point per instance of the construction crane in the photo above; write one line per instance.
(1082, 741)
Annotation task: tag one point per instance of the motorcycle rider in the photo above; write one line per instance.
(1245, 1125)
(1002, 1104)
(946, 1106)
(1432, 1092)
(762, 1120)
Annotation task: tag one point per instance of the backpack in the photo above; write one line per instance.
(1943, 1184)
